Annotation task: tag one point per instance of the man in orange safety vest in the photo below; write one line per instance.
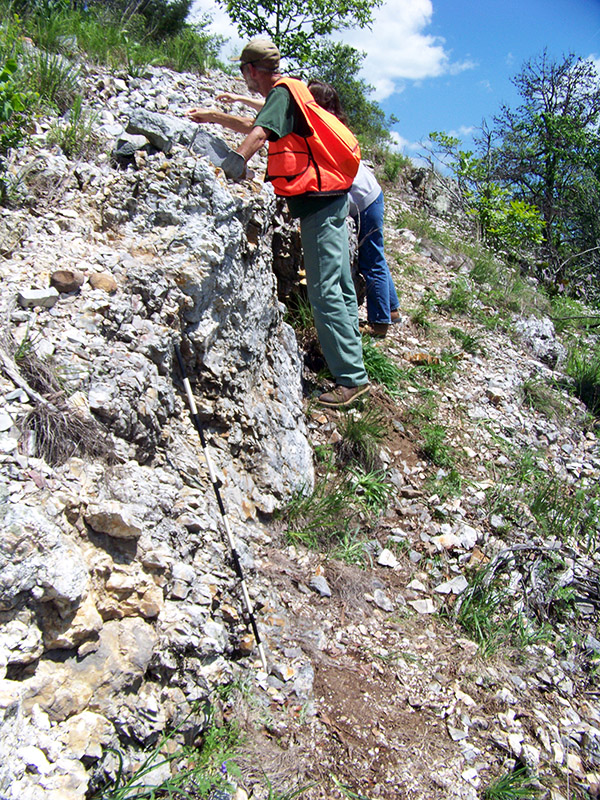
(315, 186)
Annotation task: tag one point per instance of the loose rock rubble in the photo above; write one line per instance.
(118, 606)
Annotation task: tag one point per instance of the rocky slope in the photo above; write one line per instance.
(119, 609)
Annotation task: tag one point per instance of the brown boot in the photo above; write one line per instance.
(378, 329)
(343, 395)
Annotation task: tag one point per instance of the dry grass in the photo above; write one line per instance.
(59, 429)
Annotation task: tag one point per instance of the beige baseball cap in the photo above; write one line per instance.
(261, 51)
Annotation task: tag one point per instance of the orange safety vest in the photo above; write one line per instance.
(324, 161)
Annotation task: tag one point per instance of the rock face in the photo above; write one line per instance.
(114, 577)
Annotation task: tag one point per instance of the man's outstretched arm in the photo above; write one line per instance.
(216, 117)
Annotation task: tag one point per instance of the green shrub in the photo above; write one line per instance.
(583, 366)
(75, 136)
(14, 108)
(53, 77)
(191, 51)
(392, 166)
(459, 299)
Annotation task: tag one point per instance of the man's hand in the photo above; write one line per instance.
(200, 114)
(228, 97)
(234, 166)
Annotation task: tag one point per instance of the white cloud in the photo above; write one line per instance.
(463, 132)
(401, 144)
(397, 47)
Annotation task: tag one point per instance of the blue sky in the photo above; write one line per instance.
(441, 65)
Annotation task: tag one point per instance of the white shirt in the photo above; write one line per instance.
(364, 190)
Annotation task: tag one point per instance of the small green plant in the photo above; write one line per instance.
(570, 314)
(345, 790)
(76, 135)
(380, 368)
(321, 517)
(25, 348)
(191, 50)
(138, 55)
(434, 446)
(325, 454)
(340, 504)
(468, 342)
(562, 511)
(287, 795)
(539, 396)
(409, 268)
(420, 317)
(299, 312)
(450, 484)
(522, 633)
(516, 785)
(583, 367)
(350, 549)
(425, 410)
(392, 166)
(49, 30)
(460, 297)
(362, 433)
(53, 77)
(438, 368)
(193, 772)
(478, 608)
(485, 269)
(420, 224)
(370, 489)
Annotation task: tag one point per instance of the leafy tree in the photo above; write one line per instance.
(164, 17)
(294, 24)
(548, 152)
(338, 64)
(505, 222)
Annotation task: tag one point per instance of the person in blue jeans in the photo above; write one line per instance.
(366, 207)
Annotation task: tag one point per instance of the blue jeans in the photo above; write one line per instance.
(331, 290)
(381, 293)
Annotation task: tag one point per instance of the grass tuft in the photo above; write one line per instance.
(435, 447)
(380, 368)
(583, 367)
(362, 434)
(516, 785)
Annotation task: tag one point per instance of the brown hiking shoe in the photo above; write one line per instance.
(343, 395)
(378, 329)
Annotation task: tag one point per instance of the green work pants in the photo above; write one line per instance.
(331, 290)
